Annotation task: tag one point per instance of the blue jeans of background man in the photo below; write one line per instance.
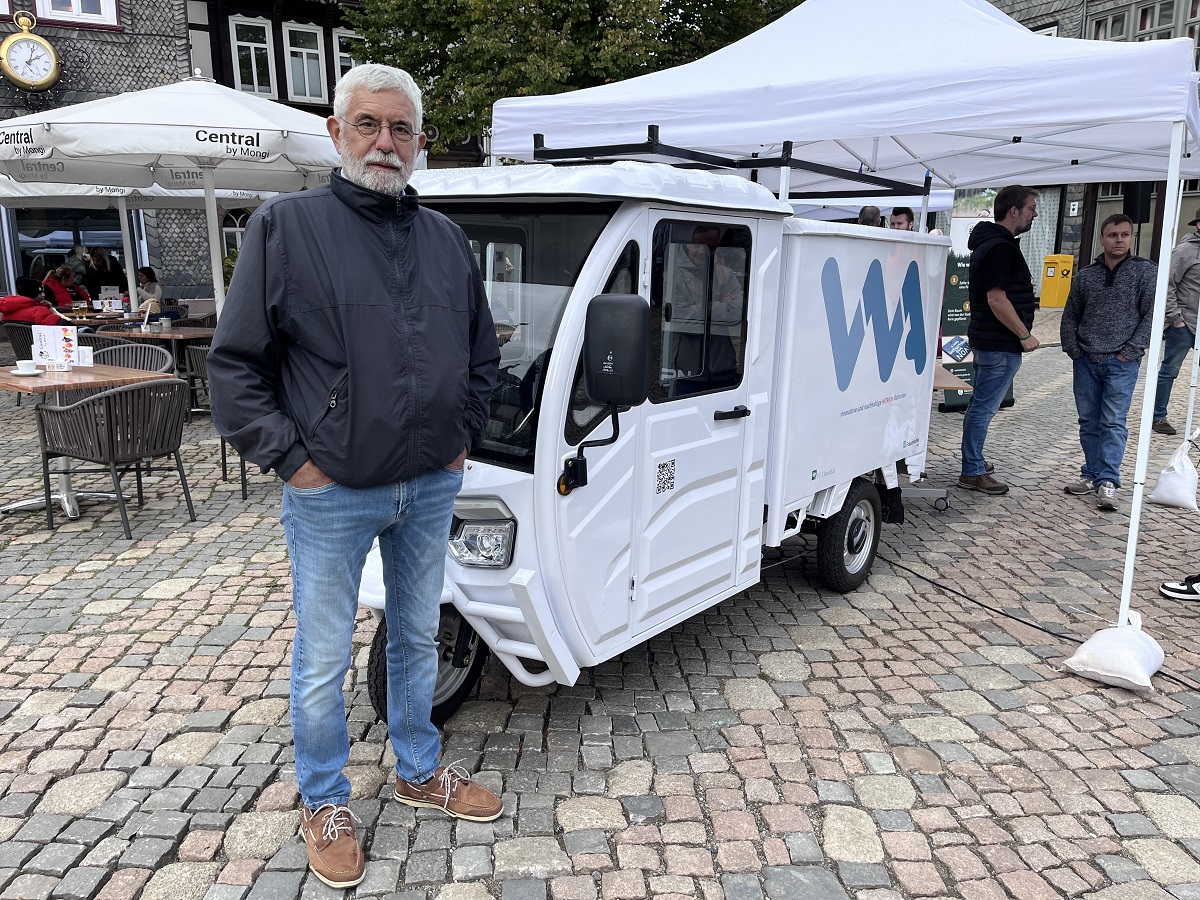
(1103, 391)
(994, 373)
(329, 531)
(1176, 344)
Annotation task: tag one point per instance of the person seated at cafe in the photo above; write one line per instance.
(103, 271)
(63, 291)
(149, 292)
(29, 306)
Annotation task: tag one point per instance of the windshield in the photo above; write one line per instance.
(530, 256)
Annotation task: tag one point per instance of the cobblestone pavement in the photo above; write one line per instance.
(903, 741)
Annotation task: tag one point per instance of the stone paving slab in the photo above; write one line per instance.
(917, 738)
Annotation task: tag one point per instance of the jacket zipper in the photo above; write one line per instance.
(332, 404)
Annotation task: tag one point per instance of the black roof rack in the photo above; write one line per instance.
(883, 187)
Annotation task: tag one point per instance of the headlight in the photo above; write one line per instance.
(484, 543)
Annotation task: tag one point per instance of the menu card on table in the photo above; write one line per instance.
(54, 344)
(110, 298)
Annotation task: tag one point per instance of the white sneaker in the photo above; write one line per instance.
(1080, 486)
(1106, 496)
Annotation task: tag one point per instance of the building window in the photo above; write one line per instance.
(350, 51)
(1048, 30)
(1110, 28)
(253, 61)
(1155, 21)
(1191, 186)
(233, 226)
(1111, 190)
(305, 63)
(80, 12)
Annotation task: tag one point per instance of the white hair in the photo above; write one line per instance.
(374, 77)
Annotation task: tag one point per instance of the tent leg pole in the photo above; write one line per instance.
(1153, 354)
(214, 238)
(131, 260)
(785, 183)
(925, 204)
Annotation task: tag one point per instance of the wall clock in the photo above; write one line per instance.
(28, 60)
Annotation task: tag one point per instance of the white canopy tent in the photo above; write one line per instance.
(829, 208)
(837, 85)
(191, 135)
(986, 103)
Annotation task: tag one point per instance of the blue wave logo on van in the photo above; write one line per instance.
(872, 310)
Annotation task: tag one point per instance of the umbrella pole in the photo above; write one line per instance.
(1167, 242)
(131, 261)
(214, 238)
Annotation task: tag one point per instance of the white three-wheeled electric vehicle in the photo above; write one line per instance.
(756, 371)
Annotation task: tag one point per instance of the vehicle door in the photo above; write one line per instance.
(595, 522)
(688, 518)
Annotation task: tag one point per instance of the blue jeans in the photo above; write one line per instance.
(1103, 391)
(994, 373)
(329, 532)
(1176, 344)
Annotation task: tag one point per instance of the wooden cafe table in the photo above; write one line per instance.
(53, 382)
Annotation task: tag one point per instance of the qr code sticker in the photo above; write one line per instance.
(666, 476)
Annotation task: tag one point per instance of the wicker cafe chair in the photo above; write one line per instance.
(135, 355)
(197, 363)
(118, 428)
(21, 338)
(118, 328)
(100, 341)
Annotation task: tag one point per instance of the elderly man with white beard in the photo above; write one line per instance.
(356, 358)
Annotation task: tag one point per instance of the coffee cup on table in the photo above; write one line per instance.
(26, 365)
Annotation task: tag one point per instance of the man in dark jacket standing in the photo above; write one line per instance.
(1002, 306)
(1105, 330)
(355, 358)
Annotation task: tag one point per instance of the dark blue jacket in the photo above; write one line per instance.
(356, 333)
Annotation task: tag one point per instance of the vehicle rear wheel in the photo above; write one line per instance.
(453, 684)
(847, 540)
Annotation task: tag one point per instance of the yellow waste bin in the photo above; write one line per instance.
(1056, 279)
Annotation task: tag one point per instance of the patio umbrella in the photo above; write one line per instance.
(191, 135)
(95, 196)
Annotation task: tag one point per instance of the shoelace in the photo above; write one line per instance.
(341, 817)
(448, 780)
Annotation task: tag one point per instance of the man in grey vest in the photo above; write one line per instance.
(1183, 302)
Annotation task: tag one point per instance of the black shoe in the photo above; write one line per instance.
(1188, 589)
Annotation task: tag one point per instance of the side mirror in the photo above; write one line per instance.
(616, 349)
(616, 364)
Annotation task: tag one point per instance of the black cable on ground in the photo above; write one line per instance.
(1162, 672)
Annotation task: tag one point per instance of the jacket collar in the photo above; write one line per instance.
(373, 205)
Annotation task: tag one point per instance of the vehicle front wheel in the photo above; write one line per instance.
(847, 540)
(453, 684)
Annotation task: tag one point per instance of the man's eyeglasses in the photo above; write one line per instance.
(401, 133)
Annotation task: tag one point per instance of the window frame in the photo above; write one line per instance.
(1157, 31)
(661, 392)
(268, 26)
(338, 74)
(1107, 20)
(109, 17)
(288, 28)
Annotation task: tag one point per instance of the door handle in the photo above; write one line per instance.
(738, 412)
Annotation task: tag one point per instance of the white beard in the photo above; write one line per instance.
(357, 169)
